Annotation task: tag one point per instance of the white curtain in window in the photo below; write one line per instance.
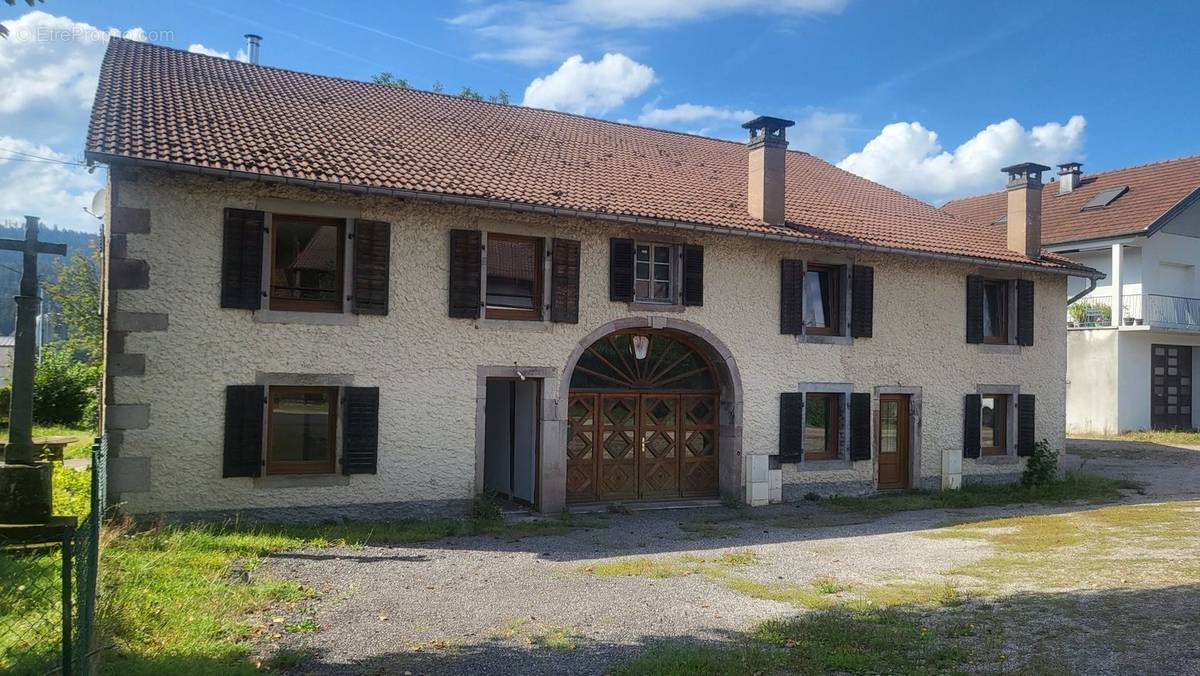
(814, 309)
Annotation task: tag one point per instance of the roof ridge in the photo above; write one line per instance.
(1086, 176)
(433, 93)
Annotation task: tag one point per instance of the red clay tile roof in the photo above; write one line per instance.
(1153, 190)
(161, 105)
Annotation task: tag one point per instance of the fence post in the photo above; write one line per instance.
(68, 546)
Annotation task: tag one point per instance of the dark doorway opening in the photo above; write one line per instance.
(1170, 387)
(511, 438)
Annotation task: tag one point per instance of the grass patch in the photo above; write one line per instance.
(554, 638)
(1074, 486)
(665, 567)
(840, 640)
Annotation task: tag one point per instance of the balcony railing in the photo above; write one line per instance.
(1146, 309)
(1090, 312)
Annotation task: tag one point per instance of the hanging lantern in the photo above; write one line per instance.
(640, 346)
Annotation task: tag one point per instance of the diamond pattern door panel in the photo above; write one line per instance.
(581, 448)
(618, 447)
(699, 430)
(658, 462)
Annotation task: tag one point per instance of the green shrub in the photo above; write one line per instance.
(1042, 467)
(62, 388)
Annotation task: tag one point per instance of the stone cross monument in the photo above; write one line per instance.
(24, 481)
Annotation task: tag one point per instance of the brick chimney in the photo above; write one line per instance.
(1069, 176)
(1025, 208)
(766, 176)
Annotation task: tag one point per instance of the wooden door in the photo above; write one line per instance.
(618, 455)
(1171, 387)
(894, 463)
(658, 459)
(698, 432)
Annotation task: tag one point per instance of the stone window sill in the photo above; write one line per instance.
(992, 348)
(302, 481)
(997, 460)
(824, 340)
(641, 306)
(313, 318)
(823, 465)
(527, 325)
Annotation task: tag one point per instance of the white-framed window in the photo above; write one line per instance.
(654, 272)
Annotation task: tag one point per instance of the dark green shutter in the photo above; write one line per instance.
(372, 263)
(564, 281)
(620, 270)
(360, 431)
(242, 259)
(974, 309)
(860, 426)
(862, 301)
(972, 413)
(693, 275)
(465, 262)
(791, 426)
(791, 297)
(1025, 424)
(1024, 312)
(243, 455)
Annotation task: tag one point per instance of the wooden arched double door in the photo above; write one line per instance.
(642, 428)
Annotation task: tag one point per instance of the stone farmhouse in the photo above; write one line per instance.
(326, 297)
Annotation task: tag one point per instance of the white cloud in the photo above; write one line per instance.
(530, 33)
(908, 157)
(31, 185)
(49, 66)
(197, 48)
(590, 87)
(691, 113)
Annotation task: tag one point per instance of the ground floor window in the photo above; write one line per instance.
(822, 424)
(993, 428)
(301, 430)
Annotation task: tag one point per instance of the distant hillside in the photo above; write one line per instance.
(10, 266)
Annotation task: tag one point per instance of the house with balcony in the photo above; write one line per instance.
(1133, 343)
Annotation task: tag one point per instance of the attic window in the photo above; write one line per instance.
(1003, 219)
(1104, 198)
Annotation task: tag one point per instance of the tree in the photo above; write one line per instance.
(387, 78)
(76, 291)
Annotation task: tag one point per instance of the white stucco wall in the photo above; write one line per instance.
(425, 363)
(1092, 381)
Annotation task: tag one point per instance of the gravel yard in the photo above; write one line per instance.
(590, 600)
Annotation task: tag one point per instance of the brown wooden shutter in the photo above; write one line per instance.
(372, 263)
(860, 426)
(1026, 429)
(360, 431)
(972, 412)
(242, 259)
(791, 426)
(974, 309)
(620, 270)
(862, 301)
(791, 297)
(243, 455)
(465, 261)
(564, 281)
(693, 275)
(1024, 312)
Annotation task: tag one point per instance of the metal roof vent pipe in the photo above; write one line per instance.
(253, 42)
(1069, 176)
(767, 168)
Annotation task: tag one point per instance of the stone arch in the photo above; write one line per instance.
(554, 460)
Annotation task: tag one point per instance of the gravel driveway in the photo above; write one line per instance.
(499, 606)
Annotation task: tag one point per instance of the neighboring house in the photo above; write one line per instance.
(7, 344)
(1132, 347)
(561, 309)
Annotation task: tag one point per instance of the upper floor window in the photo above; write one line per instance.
(514, 277)
(995, 311)
(654, 273)
(307, 263)
(822, 295)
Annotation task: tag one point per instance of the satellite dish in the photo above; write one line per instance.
(98, 201)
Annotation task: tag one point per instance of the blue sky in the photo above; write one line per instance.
(928, 97)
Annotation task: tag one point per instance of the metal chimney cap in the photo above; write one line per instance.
(252, 36)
